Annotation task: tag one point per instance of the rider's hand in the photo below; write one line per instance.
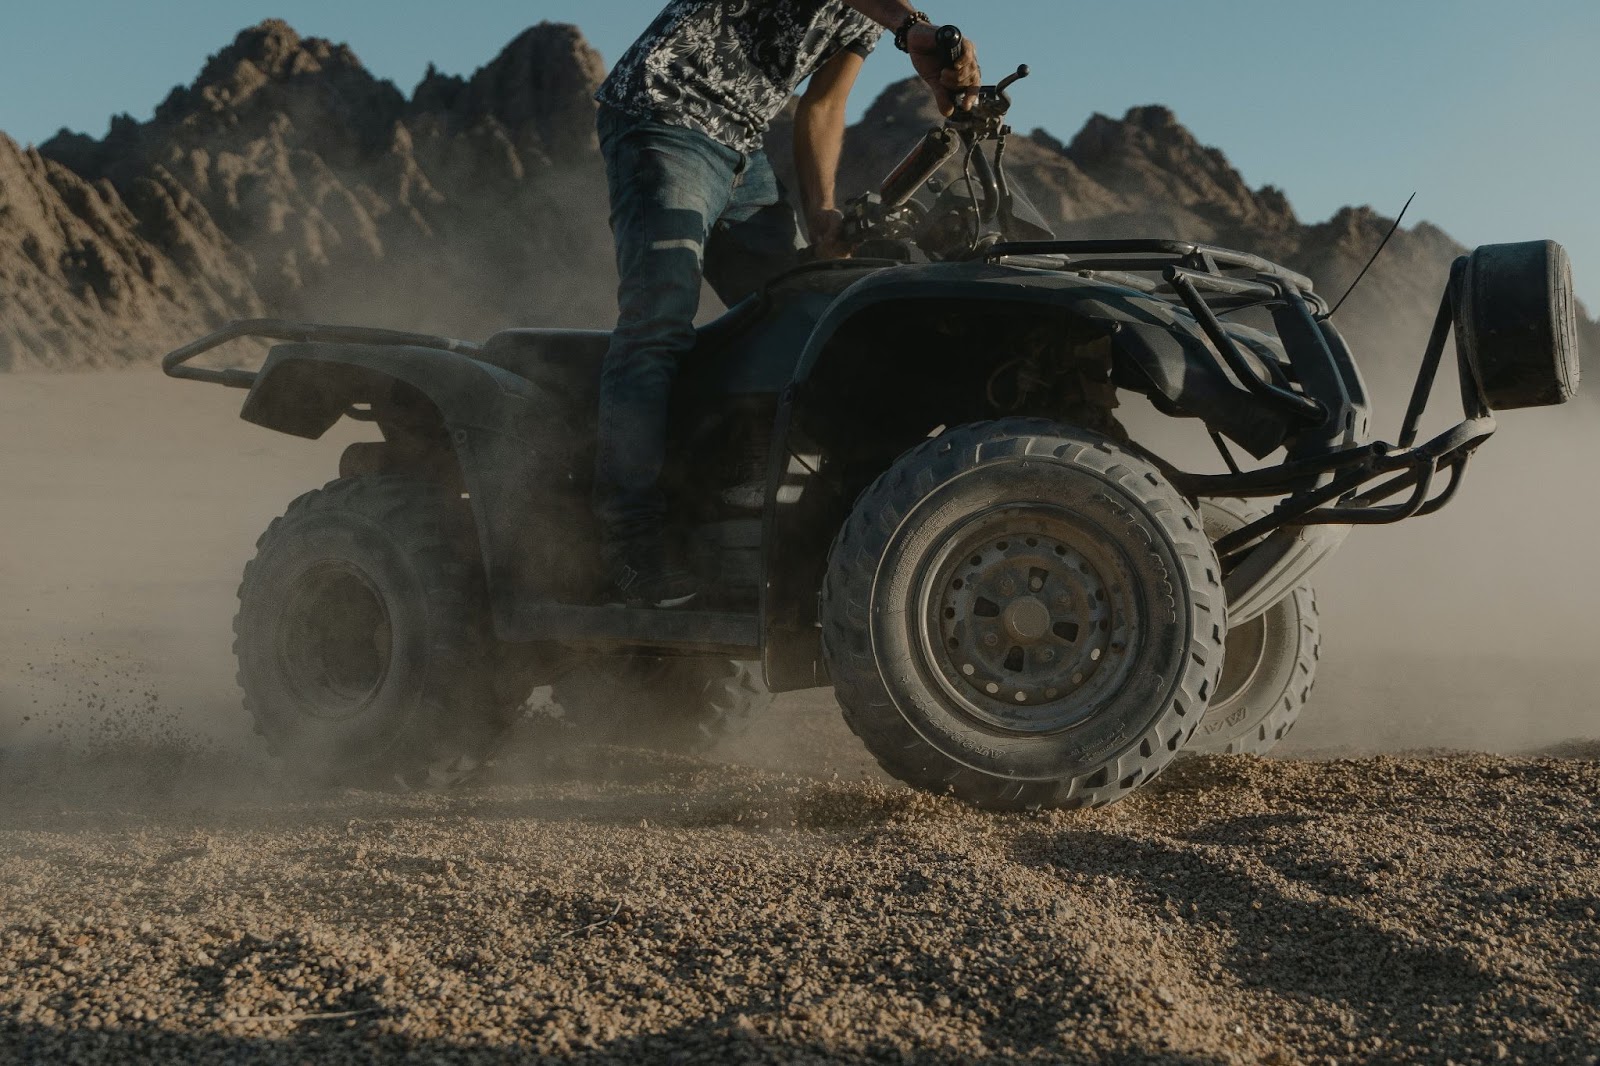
(827, 234)
(952, 87)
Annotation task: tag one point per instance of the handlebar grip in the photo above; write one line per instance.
(952, 45)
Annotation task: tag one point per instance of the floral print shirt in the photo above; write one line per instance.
(728, 67)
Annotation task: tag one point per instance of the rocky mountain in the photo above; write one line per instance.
(288, 180)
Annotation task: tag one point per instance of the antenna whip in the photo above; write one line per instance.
(1359, 277)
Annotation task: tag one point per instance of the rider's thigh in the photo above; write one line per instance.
(757, 238)
(668, 188)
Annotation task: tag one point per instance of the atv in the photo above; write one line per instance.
(1014, 601)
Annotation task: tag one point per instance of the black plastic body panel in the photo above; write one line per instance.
(1162, 347)
(506, 433)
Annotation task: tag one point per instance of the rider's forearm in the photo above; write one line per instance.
(818, 143)
(890, 14)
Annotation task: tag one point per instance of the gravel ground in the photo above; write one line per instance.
(173, 903)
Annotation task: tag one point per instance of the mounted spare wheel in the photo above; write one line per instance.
(1270, 662)
(363, 638)
(1517, 323)
(1024, 615)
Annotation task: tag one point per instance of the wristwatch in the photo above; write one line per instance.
(916, 18)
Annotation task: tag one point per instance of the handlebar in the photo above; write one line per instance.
(962, 135)
(952, 45)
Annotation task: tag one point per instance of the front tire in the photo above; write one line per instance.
(363, 639)
(1024, 615)
(1270, 662)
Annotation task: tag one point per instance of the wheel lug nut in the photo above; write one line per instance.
(991, 640)
(1048, 655)
(1007, 588)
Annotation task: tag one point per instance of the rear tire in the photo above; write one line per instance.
(1268, 671)
(1023, 615)
(682, 705)
(363, 639)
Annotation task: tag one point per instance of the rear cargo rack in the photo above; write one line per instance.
(173, 364)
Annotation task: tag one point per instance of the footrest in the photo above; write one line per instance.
(738, 636)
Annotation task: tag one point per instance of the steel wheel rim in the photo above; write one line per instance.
(1028, 619)
(335, 641)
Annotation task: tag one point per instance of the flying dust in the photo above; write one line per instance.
(134, 502)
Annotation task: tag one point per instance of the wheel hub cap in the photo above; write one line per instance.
(1027, 620)
(334, 641)
(1030, 620)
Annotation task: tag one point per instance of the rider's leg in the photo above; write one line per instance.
(758, 236)
(757, 239)
(668, 187)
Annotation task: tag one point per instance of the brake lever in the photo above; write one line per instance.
(993, 103)
(1008, 82)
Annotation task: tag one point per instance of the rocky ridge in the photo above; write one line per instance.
(288, 180)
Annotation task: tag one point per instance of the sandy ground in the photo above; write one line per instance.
(164, 893)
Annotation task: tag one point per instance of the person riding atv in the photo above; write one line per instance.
(1015, 599)
(694, 198)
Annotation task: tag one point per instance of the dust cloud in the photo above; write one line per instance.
(134, 502)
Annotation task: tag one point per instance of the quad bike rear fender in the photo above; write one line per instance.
(432, 405)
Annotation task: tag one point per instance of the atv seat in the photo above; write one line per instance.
(567, 360)
(570, 359)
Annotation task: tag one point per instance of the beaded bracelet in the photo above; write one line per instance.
(916, 18)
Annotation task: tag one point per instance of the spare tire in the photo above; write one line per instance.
(1517, 323)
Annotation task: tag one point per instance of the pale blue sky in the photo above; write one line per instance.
(1487, 107)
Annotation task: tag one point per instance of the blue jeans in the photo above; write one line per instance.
(684, 209)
